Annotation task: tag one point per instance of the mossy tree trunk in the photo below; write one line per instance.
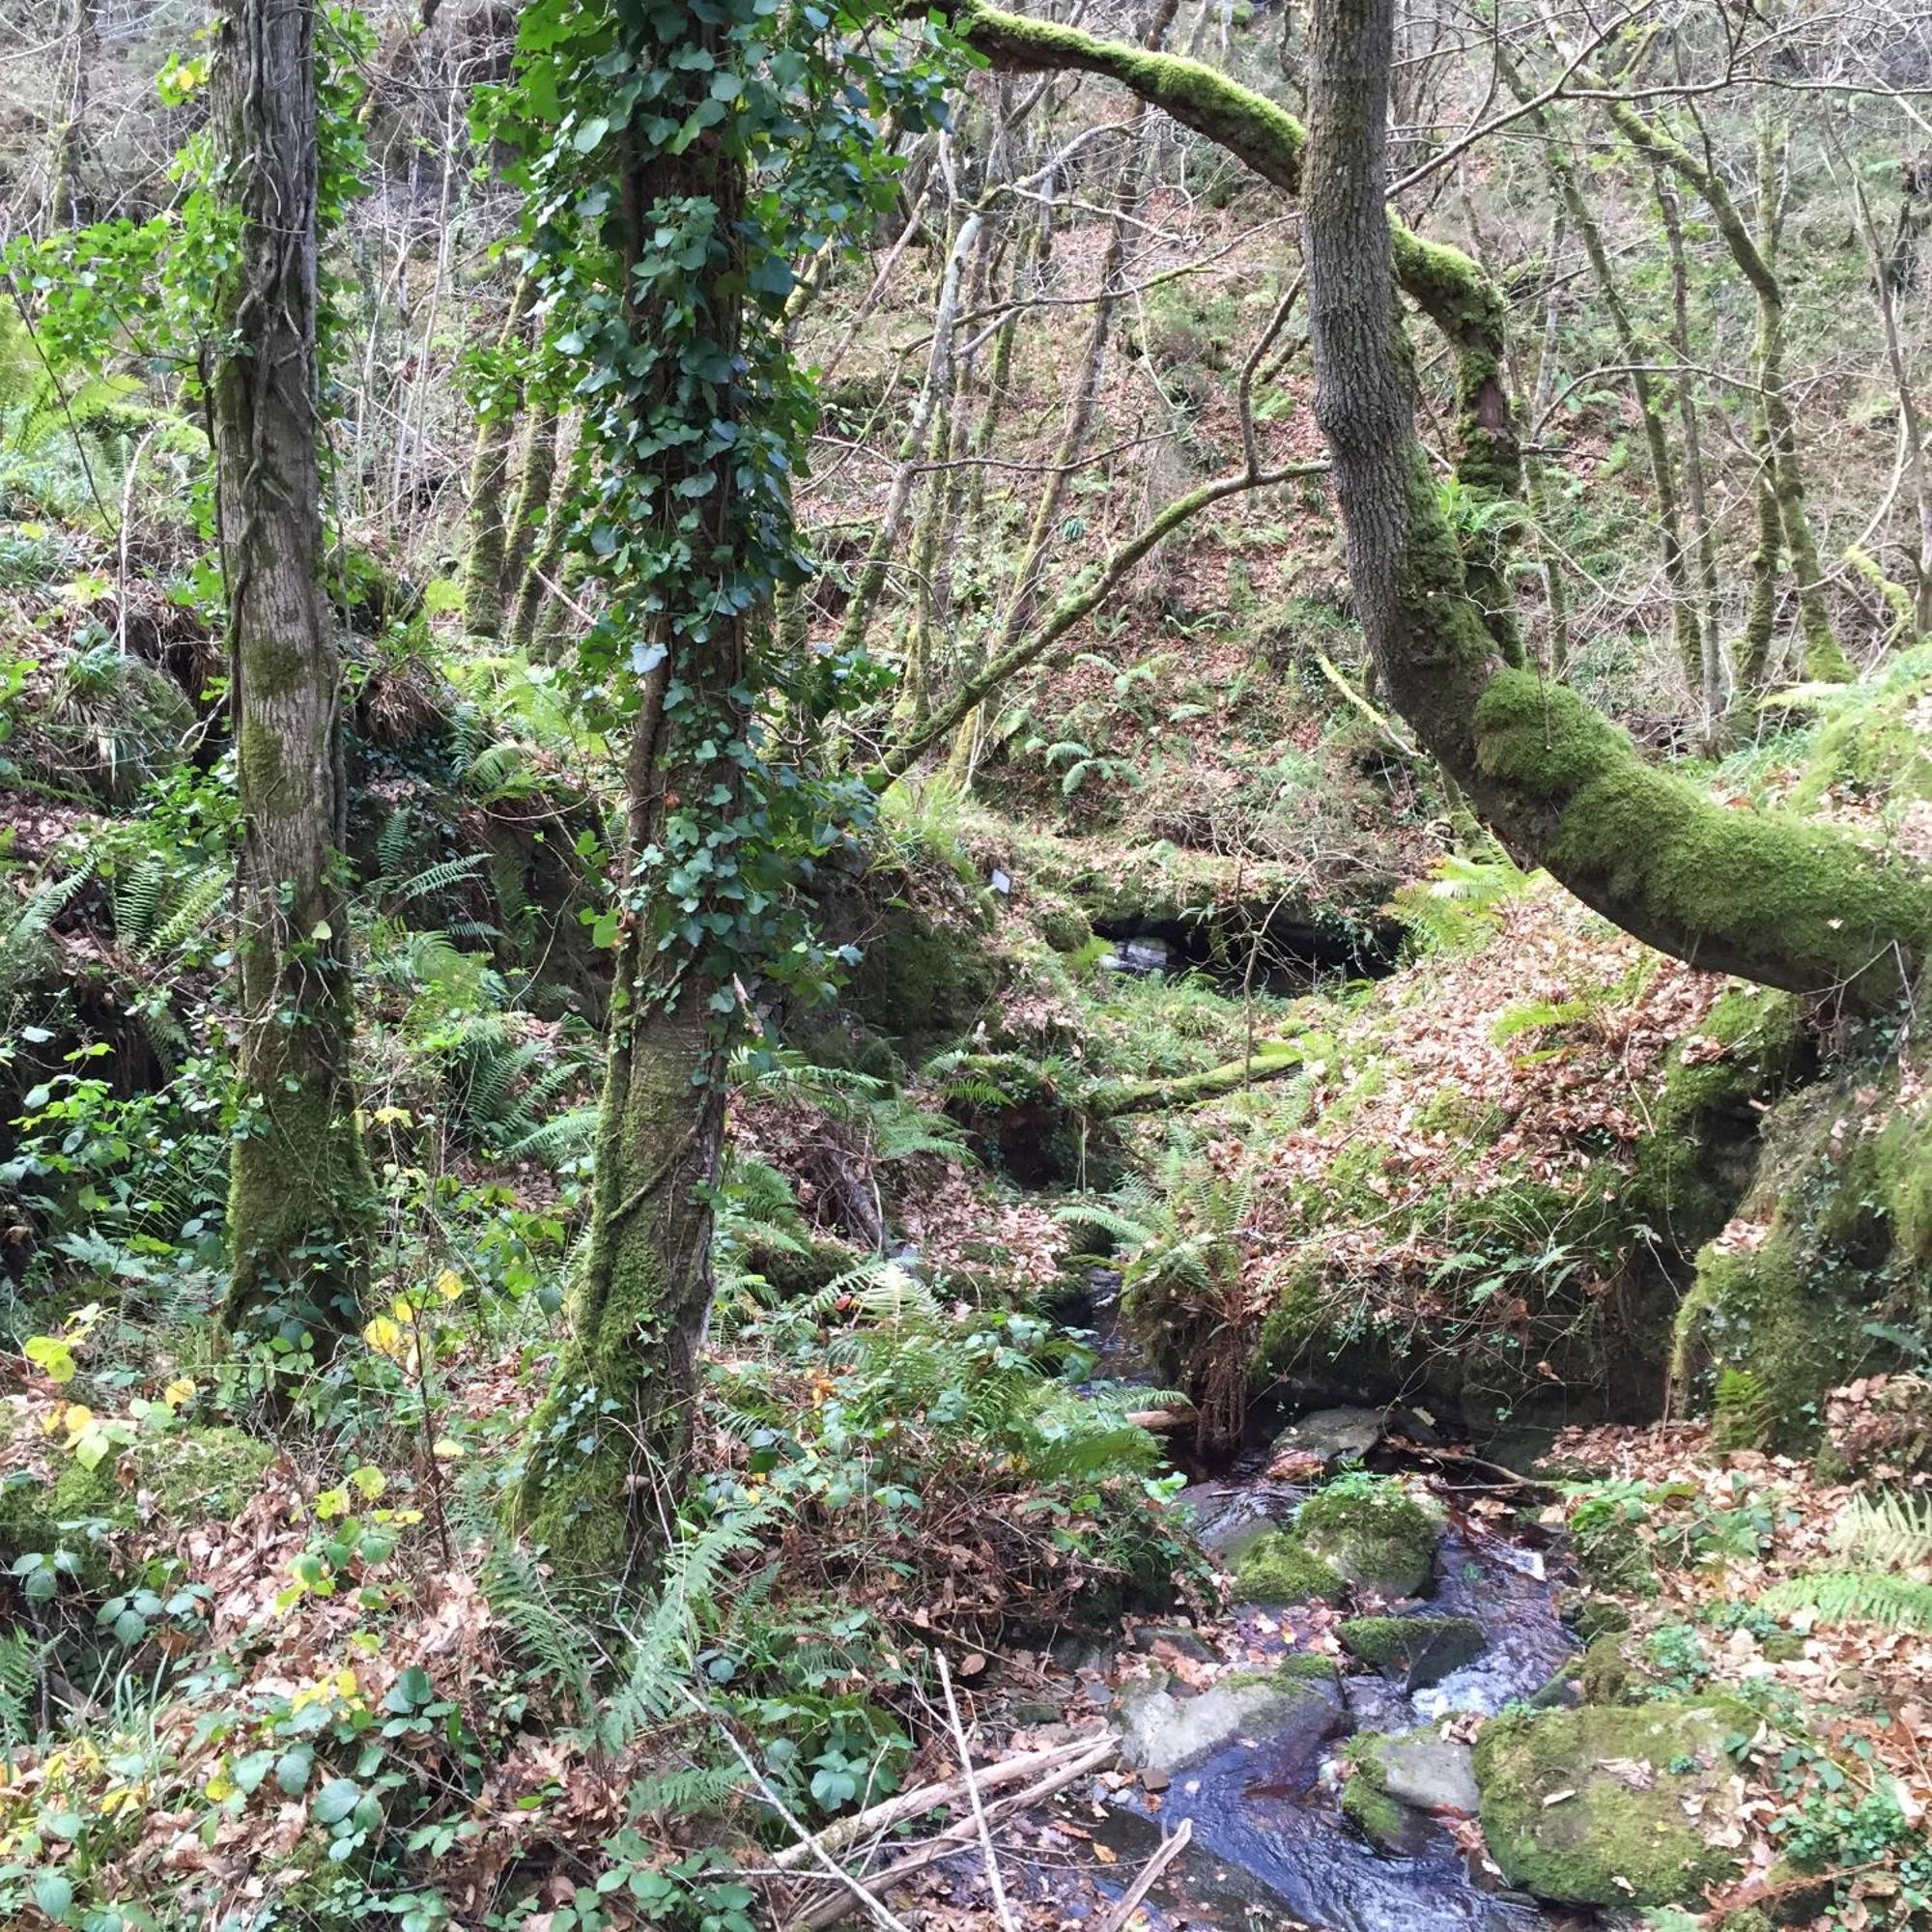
(1772, 898)
(610, 1444)
(300, 1200)
(485, 570)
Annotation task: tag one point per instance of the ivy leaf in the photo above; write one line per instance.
(589, 133)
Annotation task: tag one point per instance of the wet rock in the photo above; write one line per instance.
(1279, 1570)
(1595, 1806)
(1228, 1521)
(1427, 1772)
(1334, 1436)
(1149, 1638)
(1419, 1651)
(1376, 1537)
(1163, 1734)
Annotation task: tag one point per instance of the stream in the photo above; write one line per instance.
(1268, 1835)
(1270, 1846)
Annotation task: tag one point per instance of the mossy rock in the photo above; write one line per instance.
(1277, 1569)
(1842, 1202)
(1605, 1673)
(1388, 1825)
(1593, 1616)
(1612, 1554)
(1418, 1651)
(68, 1518)
(199, 1473)
(1378, 1540)
(1588, 1806)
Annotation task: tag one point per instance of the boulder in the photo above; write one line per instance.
(1418, 1651)
(1277, 1569)
(1392, 1778)
(1162, 1734)
(1332, 1436)
(1427, 1772)
(1611, 1805)
(1374, 1536)
(1228, 1522)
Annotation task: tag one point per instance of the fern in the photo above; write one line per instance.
(22, 1657)
(1742, 1416)
(662, 1647)
(1888, 1531)
(684, 1793)
(1855, 1596)
(1459, 908)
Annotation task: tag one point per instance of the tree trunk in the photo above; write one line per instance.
(1769, 897)
(301, 1200)
(611, 1442)
(484, 587)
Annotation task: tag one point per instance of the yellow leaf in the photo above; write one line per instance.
(449, 1285)
(370, 1482)
(75, 1419)
(384, 1335)
(394, 1117)
(447, 1451)
(177, 1391)
(331, 1503)
(221, 1786)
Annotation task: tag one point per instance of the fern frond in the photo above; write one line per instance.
(1855, 1596)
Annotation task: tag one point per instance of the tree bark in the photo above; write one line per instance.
(1770, 898)
(301, 1201)
(485, 571)
(611, 1442)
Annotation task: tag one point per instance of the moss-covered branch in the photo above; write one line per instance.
(1271, 1061)
(1767, 896)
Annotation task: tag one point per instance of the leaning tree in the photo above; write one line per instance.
(1765, 895)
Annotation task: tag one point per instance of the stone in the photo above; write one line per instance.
(1335, 1436)
(1163, 1734)
(1595, 1805)
(1428, 1772)
(1228, 1521)
(1147, 1638)
(1278, 1570)
(1419, 1651)
(1374, 1536)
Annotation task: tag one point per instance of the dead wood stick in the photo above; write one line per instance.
(943, 1794)
(1170, 1850)
(999, 1891)
(815, 1917)
(1161, 1418)
(881, 1913)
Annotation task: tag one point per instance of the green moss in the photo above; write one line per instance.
(1611, 1553)
(1379, 1818)
(68, 1515)
(1376, 1538)
(1605, 1672)
(1309, 1668)
(1758, 893)
(1279, 1570)
(201, 1473)
(1594, 1616)
(1565, 1821)
(1064, 926)
(1420, 1651)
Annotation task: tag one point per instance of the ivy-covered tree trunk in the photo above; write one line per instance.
(610, 1444)
(1770, 898)
(300, 1198)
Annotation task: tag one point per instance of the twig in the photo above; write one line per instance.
(894, 1811)
(871, 1900)
(999, 1891)
(950, 1842)
(1170, 1850)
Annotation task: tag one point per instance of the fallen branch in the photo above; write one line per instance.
(985, 1830)
(1159, 1419)
(1170, 1850)
(1270, 1060)
(939, 1796)
(955, 1837)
